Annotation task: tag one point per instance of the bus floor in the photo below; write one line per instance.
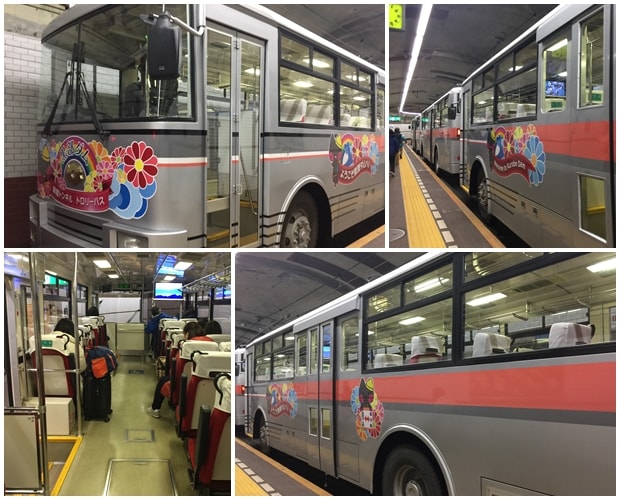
(426, 214)
(133, 453)
(257, 474)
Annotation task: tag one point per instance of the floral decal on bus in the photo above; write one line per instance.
(367, 409)
(85, 176)
(282, 400)
(517, 152)
(351, 156)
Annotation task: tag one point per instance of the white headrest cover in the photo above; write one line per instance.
(190, 346)
(225, 385)
(209, 364)
(218, 337)
(486, 344)
(225, 346)
(569, 334)
(425, 345)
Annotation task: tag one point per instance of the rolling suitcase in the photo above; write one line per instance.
(97, 397)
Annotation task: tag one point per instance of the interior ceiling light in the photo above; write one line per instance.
(411, 321)
(430, 284)
(113, 276)
(169, 278)
(102, 264)
(183, 266)
(486, 299)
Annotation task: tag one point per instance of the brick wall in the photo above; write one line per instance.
(21, 80)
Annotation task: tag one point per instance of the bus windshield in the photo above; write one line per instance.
(99, 66)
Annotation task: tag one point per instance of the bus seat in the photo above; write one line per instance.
(182, 366)
(209, 454)
(360, 122)
(218, 337)
(225, 346)
(293, 110)
(58, 350)
(282, 372)
(385, 359)
(424, 349)
(486, 344)
(319, 113)
(526, 110)
(200, 388)
(345, 120)
(569, 334)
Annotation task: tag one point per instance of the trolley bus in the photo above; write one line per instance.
(440, 133)
(457, 373)
(202, 126)
(539, 131)
(54, 443)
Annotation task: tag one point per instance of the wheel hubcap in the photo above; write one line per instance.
(298, 231)
(412, 488)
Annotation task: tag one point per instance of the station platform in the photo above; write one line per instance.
(258, 475)
(423, 213)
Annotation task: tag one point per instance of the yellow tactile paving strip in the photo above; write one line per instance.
(422, 230)
(362, 242)
(245, 485)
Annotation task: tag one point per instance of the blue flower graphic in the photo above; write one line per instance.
(535, 152)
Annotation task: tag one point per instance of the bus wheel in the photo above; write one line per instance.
(436, 163)
(482, 197)
(263, 440)
(408, 472)
(301, 224)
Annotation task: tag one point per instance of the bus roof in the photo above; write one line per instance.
(346, 298)
(76, 12)
(545, 26)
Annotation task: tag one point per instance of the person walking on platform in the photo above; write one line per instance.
(401, 142)
(394, 145)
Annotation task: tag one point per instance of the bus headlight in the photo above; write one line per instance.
(131, 241)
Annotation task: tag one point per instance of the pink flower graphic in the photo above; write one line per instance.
(106, 168)
(117, 157)
(140, 164)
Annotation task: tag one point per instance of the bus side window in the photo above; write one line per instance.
(591, 67)
(554, 67)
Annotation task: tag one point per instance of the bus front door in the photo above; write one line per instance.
(321, 451)
(234, 99)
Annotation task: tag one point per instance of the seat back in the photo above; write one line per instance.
(425, 348)
(486, 344)
(385, 359)
(200, 387)
(293, 110)
(319, 113)
(569, 334)
(183, 365)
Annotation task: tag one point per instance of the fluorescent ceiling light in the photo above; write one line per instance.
(359, 98)
(558, 45)
(563, 74)
(102, 264)
(430, 284)
(303, 84)
(182, 266)
(425, 15)
(411, 321)
(317, 63)
(601, 267)
(113, 276)
(485, 299)
(169, 278)
(51, 272)
(252, 71)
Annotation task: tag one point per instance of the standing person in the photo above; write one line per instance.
(394, 144)
(190, 330)
(152, 329)
(401, 142)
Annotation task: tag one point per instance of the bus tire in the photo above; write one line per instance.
(409, 472)
(482, 197)
(301, 223)
(263, 438)
(436, 163)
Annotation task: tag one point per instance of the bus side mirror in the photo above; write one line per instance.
(452, 112)
(164, 49)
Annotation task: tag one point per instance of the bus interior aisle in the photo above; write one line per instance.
(132, 454)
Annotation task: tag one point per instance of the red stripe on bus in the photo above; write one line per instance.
(450, 133)
(577, 387)
(579, 139)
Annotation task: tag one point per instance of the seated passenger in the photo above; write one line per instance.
(65, 325)
(192, 330)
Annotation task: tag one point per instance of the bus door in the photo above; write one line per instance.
(234, 100)
(321, 400)
(464, 170)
